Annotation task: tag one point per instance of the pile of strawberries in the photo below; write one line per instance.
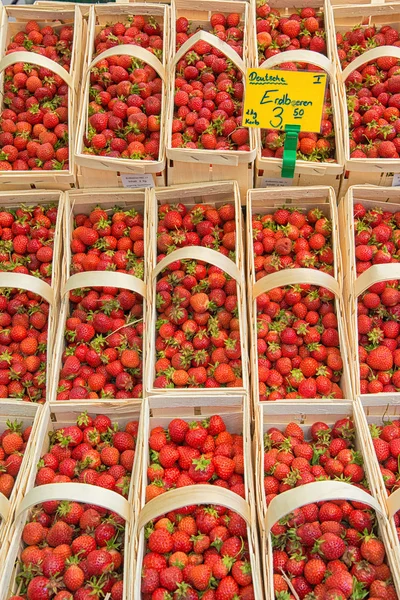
(138, 30)
(298, 344)
(386, 441)
(197, 552)
(111, 240)
(209, 91)
(95, 451)
(330, 550)
(53, 43)
(13, 442)
(378, 338)
(290, 460)
(373, 94)
(71, 551)
(299, 31)
(34, 120)
(104, 340)
(23, 345)
(291, 238)
(198, 334)
(125, 95)
(195, 452)
(362, 38)
(376, 237)
(27, 239)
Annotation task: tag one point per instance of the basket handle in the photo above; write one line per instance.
(36, 59)
(306, 56)
(199, 253)
(367, 57)
(199, 494)
(129, 50)
(29, 283)
(374, 274)
(293, 277)
(104, 279)
(4, 507)
(77, 492)
(319, 491)
(215, 42)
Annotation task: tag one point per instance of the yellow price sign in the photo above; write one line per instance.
(276, 98)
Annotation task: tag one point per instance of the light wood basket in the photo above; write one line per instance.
(114, 169)
(216, 195)
(267, 201)
(200, 494)
(306, 172)
(187, 165)
(13, 19)
(83, 201)
(29, 415)
(83, 493)
(343, 18)
(318, 492)
(293, 277)
(370, 412)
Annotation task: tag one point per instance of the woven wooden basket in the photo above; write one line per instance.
(214, 194)
(186, 165)
(306, 172)
(120, 172)
(28, 415)
(317, 492)
(293, 277)
(200, 494)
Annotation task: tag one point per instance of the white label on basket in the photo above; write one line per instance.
(276, 181)
(396, 180)
(137, 181)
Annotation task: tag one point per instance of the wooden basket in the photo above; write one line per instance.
(370, 412)
(121, 172)
(214, 194)
(234, 410)
(265, 202)
(83, 493)
(387, 199)
(45, 291)
(373, 275)
(293, 277)
(317, 492)
(187, 165)
(200, 494)
(363, 170)
(306, 172)
(28, 415)
(50, 180)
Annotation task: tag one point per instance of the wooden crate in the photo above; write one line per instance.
(121, 172)
(295, 277)
(82, 493)
(186, 165)
(28, 415)
(306, 172)
(317, 492)
(234, 410)
(266, 202)
(214, 194)
(200, 495)
(343, 18)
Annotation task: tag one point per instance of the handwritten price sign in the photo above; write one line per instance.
(275, 99)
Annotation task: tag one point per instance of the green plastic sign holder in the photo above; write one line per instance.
(290, 150)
